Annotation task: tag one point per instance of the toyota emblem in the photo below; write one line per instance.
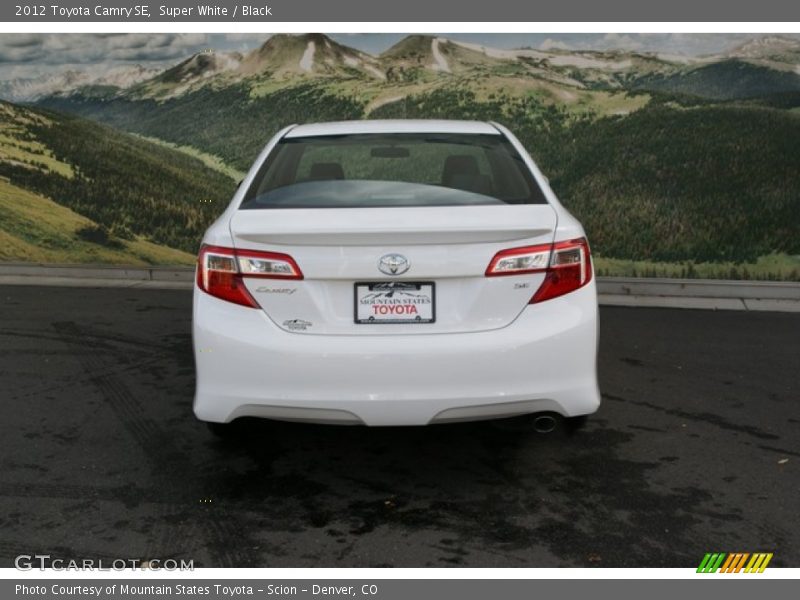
(393, 264)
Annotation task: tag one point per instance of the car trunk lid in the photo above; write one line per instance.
(447, 249)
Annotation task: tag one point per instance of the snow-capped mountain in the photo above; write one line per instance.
(65, 82)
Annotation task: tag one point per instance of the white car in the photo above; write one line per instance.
(395, 272)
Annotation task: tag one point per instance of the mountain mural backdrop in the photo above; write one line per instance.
(677, 166)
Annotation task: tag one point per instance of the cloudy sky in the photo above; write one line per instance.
(28, 55)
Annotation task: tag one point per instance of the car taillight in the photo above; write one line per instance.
(220, 271)
(567, 266)
(570, 269)
(518, 261)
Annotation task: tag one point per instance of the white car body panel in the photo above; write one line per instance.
(544, 361)
(488, 354)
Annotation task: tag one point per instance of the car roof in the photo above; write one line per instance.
(392, 126)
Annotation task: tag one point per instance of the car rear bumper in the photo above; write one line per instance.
(545, 360)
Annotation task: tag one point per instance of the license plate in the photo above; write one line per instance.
(395, 302)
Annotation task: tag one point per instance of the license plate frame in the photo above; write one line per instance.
(407, 287)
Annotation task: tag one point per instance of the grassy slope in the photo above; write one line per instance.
(132, 189)
(18, 147)
(36, 229)
(209, 160)
(773, 267)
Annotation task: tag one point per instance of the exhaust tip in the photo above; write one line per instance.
(544, 424)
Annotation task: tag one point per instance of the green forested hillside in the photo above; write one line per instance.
(711, 183)
(128, 187)
(670, 165)
(666, 183)
(225, 122)
(669, 182)
(726, 80)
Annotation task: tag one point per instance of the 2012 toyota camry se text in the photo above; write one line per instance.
(394, 273)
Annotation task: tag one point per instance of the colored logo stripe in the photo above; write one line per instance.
(758, 563)
(711, 562)
(734, 562)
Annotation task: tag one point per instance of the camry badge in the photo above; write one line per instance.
(393, 264)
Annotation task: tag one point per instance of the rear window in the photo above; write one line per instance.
(367, 170)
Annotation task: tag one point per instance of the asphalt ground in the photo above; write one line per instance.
(695, 449)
